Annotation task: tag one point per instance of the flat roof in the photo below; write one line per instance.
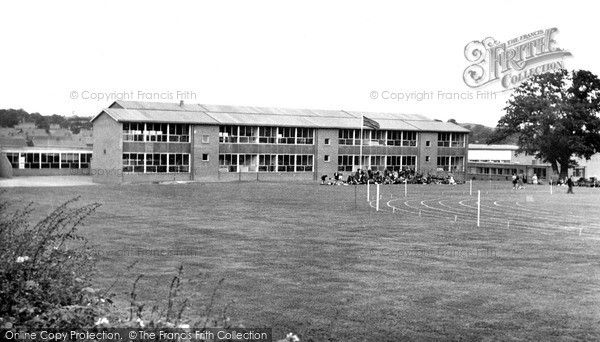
(493, 147)
(496, 163)
(136, 111)
(45, 149)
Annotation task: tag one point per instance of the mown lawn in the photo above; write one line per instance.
(304, 258)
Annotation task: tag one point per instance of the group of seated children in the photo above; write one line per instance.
(370, 176)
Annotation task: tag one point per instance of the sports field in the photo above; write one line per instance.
(321, 262)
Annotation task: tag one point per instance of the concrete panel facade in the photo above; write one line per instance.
(326, 157)
(205, 144)
(107, 161)
(427, 152)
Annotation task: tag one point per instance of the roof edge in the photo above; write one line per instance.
(103, 112)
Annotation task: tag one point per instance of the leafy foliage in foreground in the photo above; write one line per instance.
(45, 270)
(46, 281)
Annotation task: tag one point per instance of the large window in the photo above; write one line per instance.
(394, 138)
(152, 131)
(286, 135)
(133, 162)
(133, 131)
(13, 158)
(156, 132)
(86, 160)
(179, 133)
(450, 163)
(32, 160)
(378, 138)
(409, 162)
(267, 135)
(451, 139)
(394, 163)
(50, 160)
(248, 135)
(409, 138)
(483, 170)
(156, 162)
(228, 162)
(69, 160)
(366, 137)
(304, 136)
(348, 163)
(351, 163)
(444, 139)
(248, 162)
(346, 137)
(228, 134)
(304, 163)
(377, 163)
(267, 163)
(179, 162)
(458, 140)
(285, 163)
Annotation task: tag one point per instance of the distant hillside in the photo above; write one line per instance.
(480, 133)
(12, 117)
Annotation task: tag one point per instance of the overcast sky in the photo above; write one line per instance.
(58, 56)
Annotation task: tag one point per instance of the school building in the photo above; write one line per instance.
(499, 162)
(146, 141)
(29, 151)
(50, 156)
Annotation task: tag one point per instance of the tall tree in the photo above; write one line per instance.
(555, 116)
(12, 117)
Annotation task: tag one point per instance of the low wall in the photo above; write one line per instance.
(50, 172)
(155, 177)
(265, 176)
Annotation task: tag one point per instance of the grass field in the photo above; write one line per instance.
(310, 259)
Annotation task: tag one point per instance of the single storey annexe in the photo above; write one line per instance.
(149, 141)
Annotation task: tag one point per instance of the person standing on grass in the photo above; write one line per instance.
(570, 185)
(514, 181)
(520, 181)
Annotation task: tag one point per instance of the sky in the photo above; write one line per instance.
(77, 57)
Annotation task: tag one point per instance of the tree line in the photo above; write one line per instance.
(555, 116)
(13, 117)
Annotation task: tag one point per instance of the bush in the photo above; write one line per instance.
(45, 270)
(46, 281)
